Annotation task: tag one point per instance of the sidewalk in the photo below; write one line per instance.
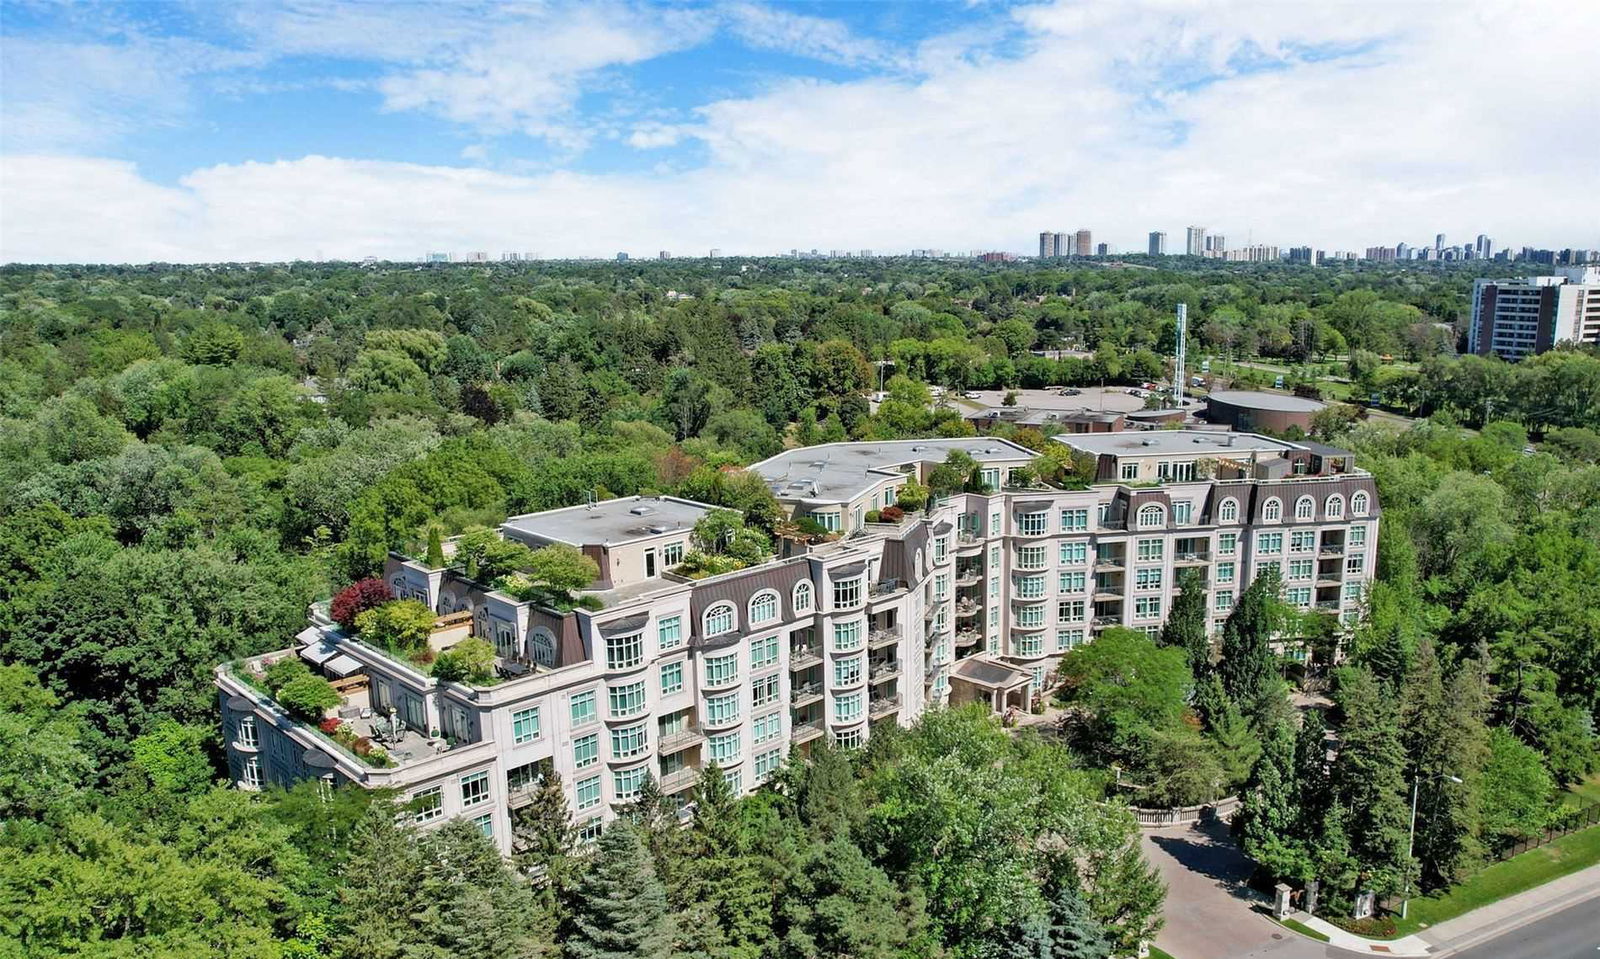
(1474, 927)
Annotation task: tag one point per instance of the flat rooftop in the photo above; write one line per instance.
(611, 521)
(839, 472)
(1173, 443)
(1268, 401)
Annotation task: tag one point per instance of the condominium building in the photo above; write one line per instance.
(658, 674)
(1158, 243)
(1519, 317)
(1194, 242)
(1085, 246)
(1047, 245)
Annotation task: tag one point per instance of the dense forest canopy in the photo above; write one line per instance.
(190, 455)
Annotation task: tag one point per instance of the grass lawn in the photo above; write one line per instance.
(1586, 793)
(1303, 929)
(1566, 855)
(1159, 953)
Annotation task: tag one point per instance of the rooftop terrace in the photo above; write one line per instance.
(1175, 442)
(839, 472)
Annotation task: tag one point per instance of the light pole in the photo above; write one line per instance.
(1411, 844)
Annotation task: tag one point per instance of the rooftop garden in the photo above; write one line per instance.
(550, 576)
(723, 543)
(307, 697)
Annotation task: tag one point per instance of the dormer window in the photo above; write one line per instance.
(1272, 510)
(719, 619)
(1228, 512)
(1358, 504)
(1334, 507)
(764, 608)
(803, 596)
(1152, 517)
(1305, 508)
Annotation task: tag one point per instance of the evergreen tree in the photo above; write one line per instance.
(545, 839)
(435, 548)
(379, 886)
(619, 909)
(1311, 775)
(1270, 814)
(842, 905)
(727, 905)
(1249, 670)
(1446, 740)
(1369, 780)
(1187, 626)
(468, 903)
(1237, 746)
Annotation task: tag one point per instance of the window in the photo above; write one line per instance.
(767, 728)
(941, 548)
(941, 586)
(1228, 512)
(1355, 564)
(672, 554)
(671, 678)
(1030, 617)
(1074, 553)
(590, 830)
(1031, 557)
(1305, 508)
(1300, 569)
(505, 639)
(583, 711)
(847, 593)
(1072, 582)
(427, 804)
(1299, 596)
(847, 672)
(1334, 507)
(1272, 511)
(719, 619)
(627, 700)
(1100, 512)
(1303, 541)
(767, 763)
(252, 772)
(990, 477)
(1358, 537)
(735, 780)
(724, 748)
(994, 586)
(474, 789)
(1182, 513)
(1074, 520)
(1151, 549)
(625, 783)
(1227, 543)
(246, 734)
(764, 608)
(1031, 587)
(890, 493)
(994, 554)
(588, 792)
(764, 690)
(523, 777)
(1070, 610)
(764, 652)
(722, 670)
(846, 636)
(802, 596)
(629, 741)
(1152, 517)
(1269, 542)
(1032, 524)
(525, 725)
(624, 652)
(1224, 600)
(1178, 472)
(722, 710)
(829, 520)
(1129, 471)
(994, 616)
(1146, 607)
(1030, 645)
(1147, 578)
(669, 632)
(847, 738)
(1225, 572)
(1068, 639)
(485, 823)
(586, 750)
(847, 708)
(1352, 592)
(1358, 504)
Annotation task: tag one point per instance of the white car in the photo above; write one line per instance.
(972, 395)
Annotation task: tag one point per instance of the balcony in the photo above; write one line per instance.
(884, 669)
(967, 607)
(679, 779)
(1326, 580)
(967, 637)
(802, 656)
(1110, 562)
(969, 543)
(971, 577)
(1101, 622)
(679, 740)
(887, 587)
(1331, 549)
(1192, 557)
(883, 705)
(880, 638)
(805, 731)
(807, 693)
(1328, 604)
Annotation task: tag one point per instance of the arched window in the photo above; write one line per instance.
(764, 608)
(1305, 508)
(1228, 512)
(1334, 507)
(1358, 504)
(1272, 510)
(803, 596)
(719, 619)
(1152, 516)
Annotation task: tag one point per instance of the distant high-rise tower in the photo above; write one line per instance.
(1047, 245)
(1195, 241)
(1158, 243)
(1438, 246)
(1219, 244)
(1063, 244)
(1484, 248)
(1084, 243)
(1102, 249)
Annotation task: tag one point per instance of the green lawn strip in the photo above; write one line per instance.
(1586, 793)
(1534, 867)
(1303, 930)
(1159, 953)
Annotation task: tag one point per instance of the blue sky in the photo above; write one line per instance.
(293, 128)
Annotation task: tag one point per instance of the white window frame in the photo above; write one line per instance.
(1228, 512)
(720, 619)
(803, 596)
(764, 608)
(1152, 516)
(1272, 510)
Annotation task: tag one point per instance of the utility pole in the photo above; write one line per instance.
(1411, 844)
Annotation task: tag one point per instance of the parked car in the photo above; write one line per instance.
(1069, 391)
(972, 395)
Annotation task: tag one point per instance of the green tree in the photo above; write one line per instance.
(1188, 624)
(619, 909)
(1516, 789)
(1369, 780)
(469, 661)
(172, 757)
(400, 625)
(308, 697)
(42, 765)
(1248, 668)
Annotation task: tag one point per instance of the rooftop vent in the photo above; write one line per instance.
(641, 510)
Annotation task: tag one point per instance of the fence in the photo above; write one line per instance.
(1184, 815)
(1572, 822)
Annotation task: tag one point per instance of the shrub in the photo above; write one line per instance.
(874, 516)
(308, 696)
(892, 514)
(331, 725)
(400, 626)
(356, 599)
(284, 671)
(469, 661)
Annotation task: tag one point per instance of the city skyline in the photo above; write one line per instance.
(278, 131)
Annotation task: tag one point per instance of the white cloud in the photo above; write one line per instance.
(818, 38)
(1471, 118)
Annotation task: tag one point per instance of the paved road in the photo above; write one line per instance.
(1568, 934)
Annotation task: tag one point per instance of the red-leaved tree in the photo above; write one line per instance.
(356, 599)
